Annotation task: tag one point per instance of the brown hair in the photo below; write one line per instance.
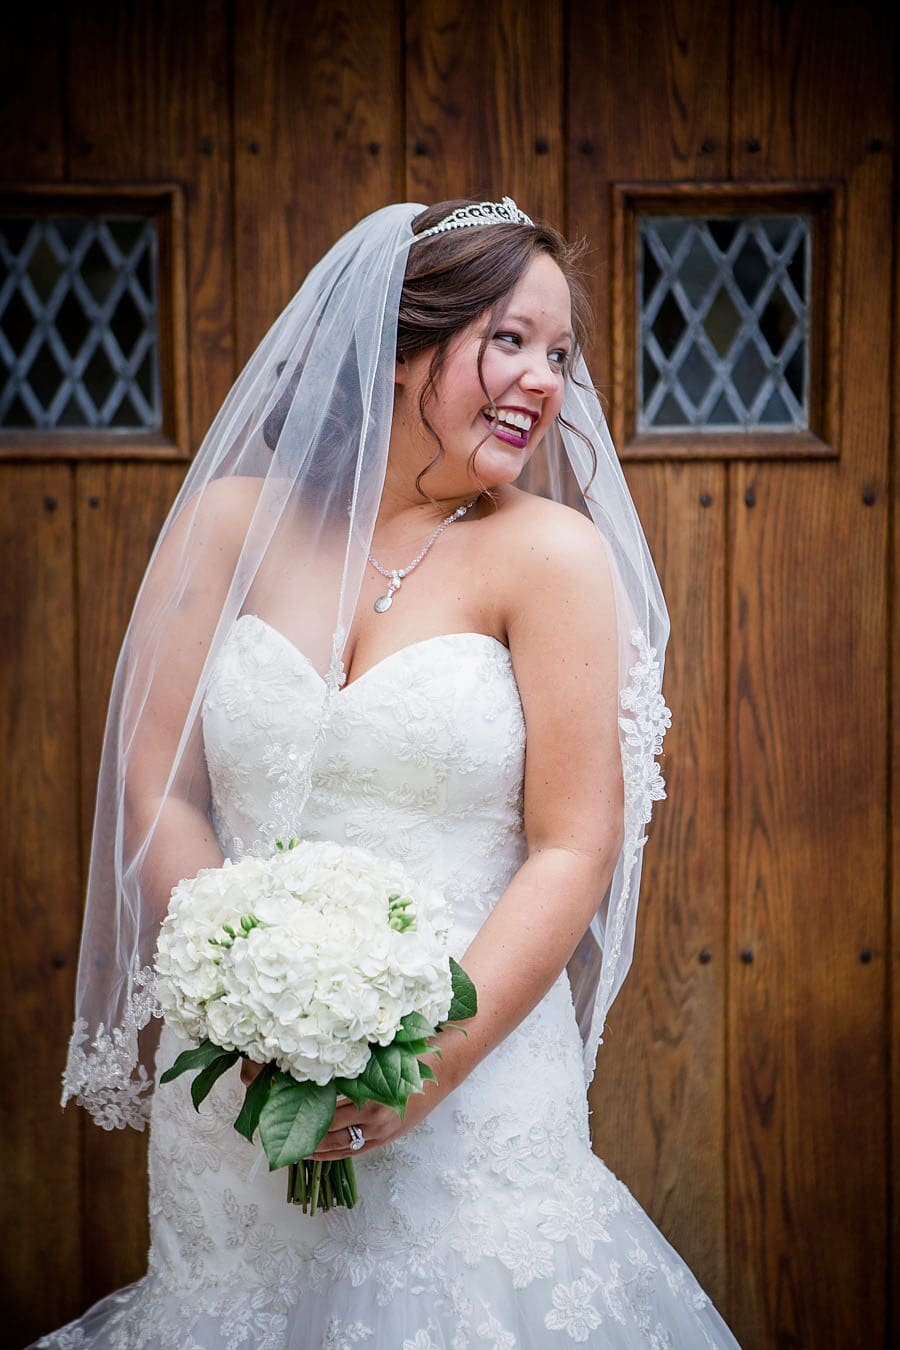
(454, 278)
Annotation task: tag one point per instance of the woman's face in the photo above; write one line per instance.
(523, 368)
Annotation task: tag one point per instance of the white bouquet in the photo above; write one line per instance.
(324, 962)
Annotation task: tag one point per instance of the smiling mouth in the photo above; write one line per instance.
(512, 427)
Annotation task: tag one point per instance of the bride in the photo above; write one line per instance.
(402, 601)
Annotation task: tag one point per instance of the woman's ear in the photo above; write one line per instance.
(400, 369)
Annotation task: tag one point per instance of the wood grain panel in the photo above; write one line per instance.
(648, 101)
(41, 903)
(120, 509)
(41, 900)
(893, 801)
(318, 92)
(484, 100)
(32, 142)
(807, 1053)
(148, 100)
(661, 1126)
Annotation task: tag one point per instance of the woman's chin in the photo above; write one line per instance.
(502, 466)
(493, 468)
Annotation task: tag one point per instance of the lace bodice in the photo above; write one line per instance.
(422, 761)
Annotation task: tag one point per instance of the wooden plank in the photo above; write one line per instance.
(484, 100)
(808, 1018)
(317, 139)
(148, 100)
(40, 897)
(893, 815)
(661, 1128)
(32, 143)
(645, 103)
(120, 509)
(41, 1243)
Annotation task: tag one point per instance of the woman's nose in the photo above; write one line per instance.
(537, 375)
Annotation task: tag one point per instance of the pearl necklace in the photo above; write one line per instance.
(395, 576)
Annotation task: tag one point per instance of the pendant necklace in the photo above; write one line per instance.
(395, 576)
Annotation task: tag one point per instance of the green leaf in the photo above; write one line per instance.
(204, 1081)
(427, 1072)
(295, 1119)
(255, 1099)
(198, 1058)
(410, 1073)
(413, 1027)
(465, 1002)
(415, 1047)
(381, 1075)
(350, 1087)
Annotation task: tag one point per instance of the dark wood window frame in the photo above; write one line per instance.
(165, 203)
(824, 203)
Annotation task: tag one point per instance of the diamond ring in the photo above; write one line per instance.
(357, 1138)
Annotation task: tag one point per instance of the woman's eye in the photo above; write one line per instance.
(559, 358)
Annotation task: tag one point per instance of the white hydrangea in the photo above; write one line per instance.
(322, 975)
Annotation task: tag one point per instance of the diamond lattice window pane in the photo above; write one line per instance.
(78, 323)
(723, 323)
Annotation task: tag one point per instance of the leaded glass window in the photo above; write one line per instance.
(78, 323)
(723, 323)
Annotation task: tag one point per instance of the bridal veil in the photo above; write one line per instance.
(280, 504)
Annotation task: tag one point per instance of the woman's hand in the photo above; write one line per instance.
(380, 1124)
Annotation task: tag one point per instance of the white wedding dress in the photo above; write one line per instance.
(491, 1223)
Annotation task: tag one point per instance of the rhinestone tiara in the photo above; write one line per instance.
(482, 213)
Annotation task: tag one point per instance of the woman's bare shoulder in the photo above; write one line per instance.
(235, 495)
(551, 553)
(223, 507)
(528, 524)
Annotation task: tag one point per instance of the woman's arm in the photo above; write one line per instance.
(168, 833)
(520, 952)
(182, 842)
(564, 643)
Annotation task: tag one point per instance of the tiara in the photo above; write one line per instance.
(483, 213)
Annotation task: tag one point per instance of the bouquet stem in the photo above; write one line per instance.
(322, 1185)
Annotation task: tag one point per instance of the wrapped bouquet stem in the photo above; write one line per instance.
(328, 965)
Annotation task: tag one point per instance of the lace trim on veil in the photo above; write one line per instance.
(105, 1077)
(642, 741)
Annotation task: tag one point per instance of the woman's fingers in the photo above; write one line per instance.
(336, 1140)
(249, 1070)
(336, 1143)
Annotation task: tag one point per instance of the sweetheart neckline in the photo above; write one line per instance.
(400, 651)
